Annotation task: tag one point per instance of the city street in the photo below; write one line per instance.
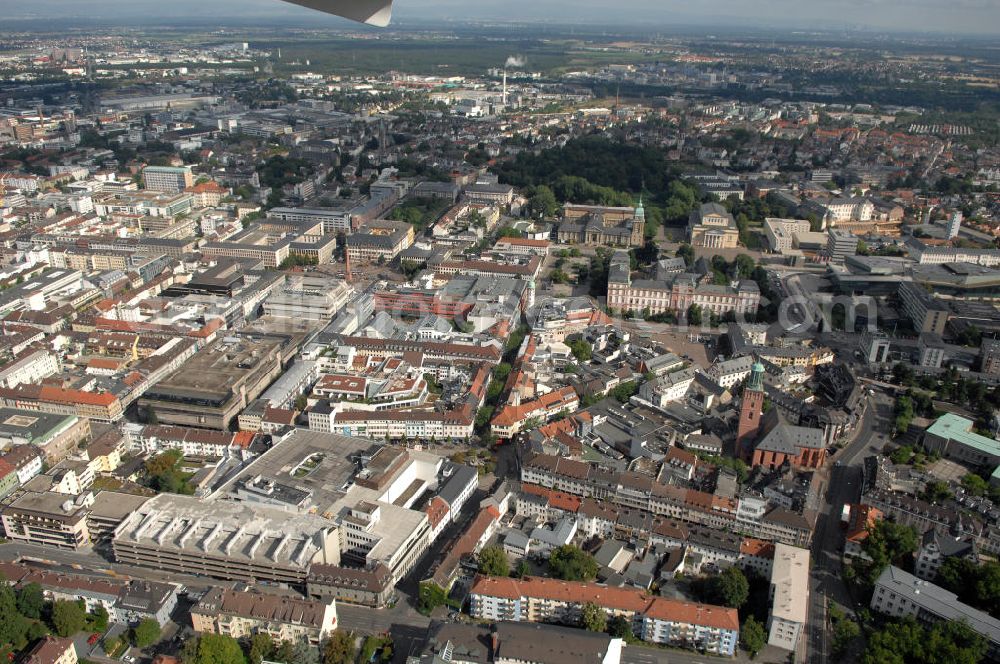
(843, 487)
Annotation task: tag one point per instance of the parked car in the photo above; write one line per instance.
(92, 639)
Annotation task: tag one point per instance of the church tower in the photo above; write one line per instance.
(751, 410)
(638, 225)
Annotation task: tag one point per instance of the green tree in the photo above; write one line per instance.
(146, 633)
(493, 561)
(571, 563)
(522, 570)
(729, 588)
(284, 652)
(619, 627)
(13, 626)
(260, 646)
(936, 492)
(694, 315)
(901, 455)
(68, 617)
(888, 543)
(581, 350)
(745, 266)
(593, 618)
(907, 642)
(752, 636)
(974, 583)
(686, 251)
(625, 391)
(542, 203)
(431, 596)
(304, 652)
(340, 648)
(163, 473)
(559, 276)
(212, 649)
(98, 619)
(30, 600)
(845, 631)
(973, 484)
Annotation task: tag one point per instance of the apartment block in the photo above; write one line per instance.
(241, 614)
(167, 179)
(714, 629)
(48, 519)
(927, 313)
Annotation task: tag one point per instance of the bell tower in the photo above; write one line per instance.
(639, 225)
(751, 410)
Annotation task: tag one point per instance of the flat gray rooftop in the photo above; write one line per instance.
(321, 463)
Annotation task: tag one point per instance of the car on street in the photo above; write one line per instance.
(92, 639)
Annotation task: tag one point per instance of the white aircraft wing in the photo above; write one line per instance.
(372, 12)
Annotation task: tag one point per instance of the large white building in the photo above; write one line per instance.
(780, 233)
(225, 539)
(307, 297)
(30, 367)
(676, 292)
(789, 596)
(167, 178)
(933, 255)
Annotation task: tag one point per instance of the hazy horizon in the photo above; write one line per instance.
(981, 17)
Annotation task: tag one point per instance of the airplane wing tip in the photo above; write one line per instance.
(381, 19)
(377, 13)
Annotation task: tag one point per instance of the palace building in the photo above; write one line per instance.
(597, 225)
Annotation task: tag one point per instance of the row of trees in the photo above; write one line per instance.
(975, 584)
(952, 387)
(341, 647)
(25, 616)
(888, 543)
(908, 642)
(568, 562)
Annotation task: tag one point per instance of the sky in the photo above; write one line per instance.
(938, 16)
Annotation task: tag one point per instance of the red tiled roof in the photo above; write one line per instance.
(510, 415)
(756, 547)
(436, 510)
(557, 499)
(608, 597)
(61, 395)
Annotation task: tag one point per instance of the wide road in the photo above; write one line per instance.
(844, 486)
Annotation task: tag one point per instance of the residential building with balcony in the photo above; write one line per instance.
(241, 614)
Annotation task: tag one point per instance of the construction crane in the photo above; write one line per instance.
(372, 12)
